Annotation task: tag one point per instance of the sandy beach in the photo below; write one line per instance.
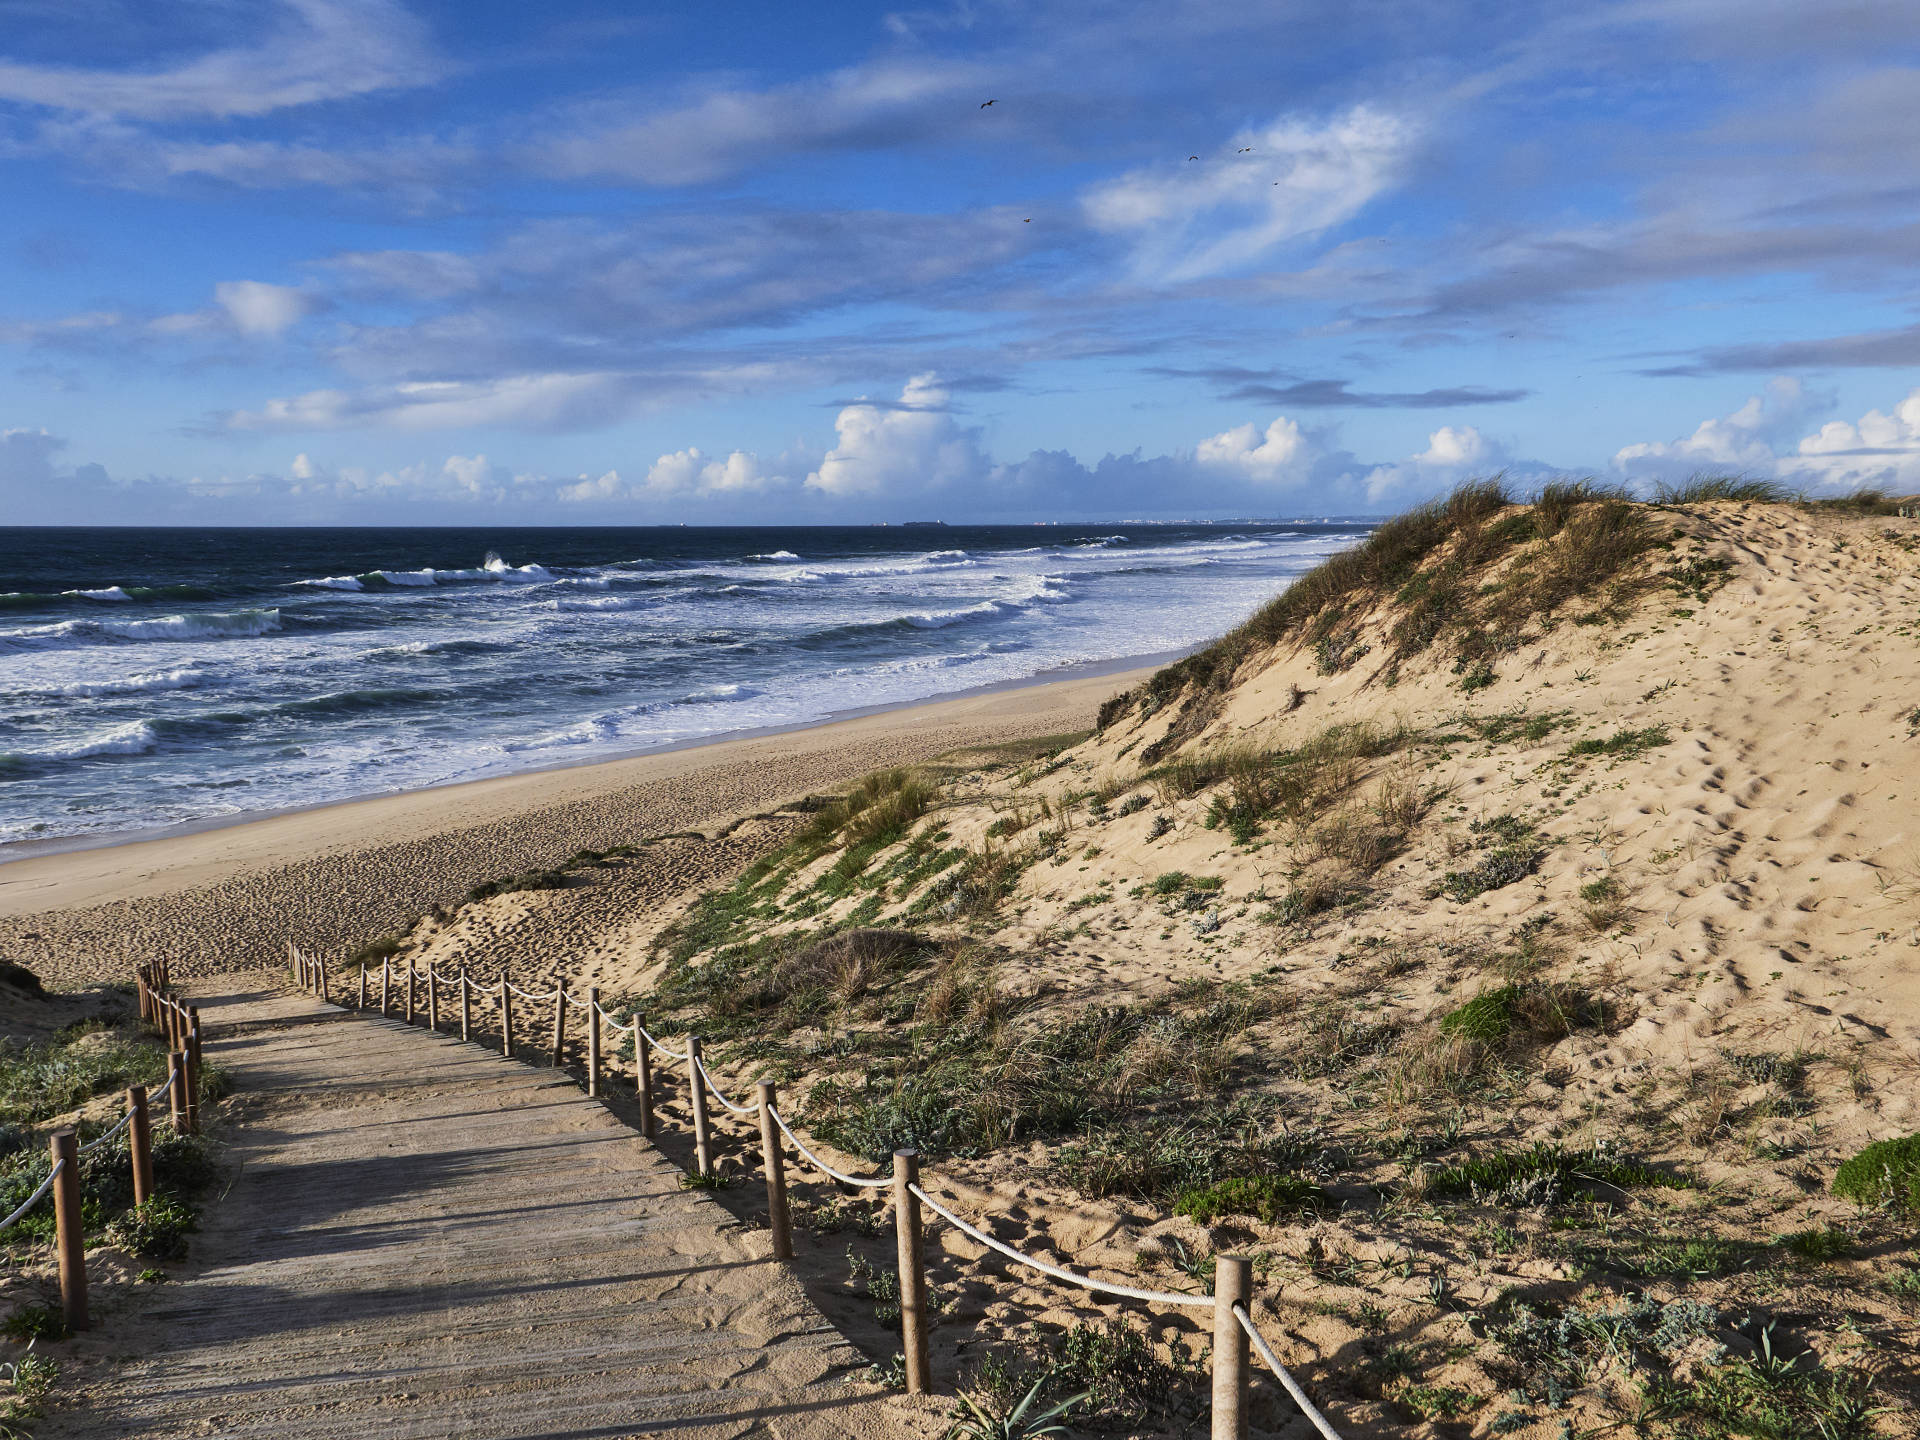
(336, 876)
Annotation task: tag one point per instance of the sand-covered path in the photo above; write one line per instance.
(423, 1239)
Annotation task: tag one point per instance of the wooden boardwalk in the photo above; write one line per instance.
(424, 1239)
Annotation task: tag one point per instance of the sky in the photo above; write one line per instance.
(391, 261)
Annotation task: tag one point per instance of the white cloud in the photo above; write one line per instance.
(1454, 453)
(1880, 450)
(1746, 440)
(725, 130)
(1279, 455)
(260, 310)
(556, 401)
(598, 489)
(1767, 438)
(912, 446)
(315, 50)
(1226, 210)
(689, 472)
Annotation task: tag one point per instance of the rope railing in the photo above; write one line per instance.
(37, 1196)
(1070, 1277)
(1307, 1407)
(1233, 1324)
(100, 1140)
(871, 1183)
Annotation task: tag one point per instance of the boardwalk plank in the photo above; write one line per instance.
(424, 1239)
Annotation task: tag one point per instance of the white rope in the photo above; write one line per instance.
(96, 1143)
(613, 1024)
(529, 995)
(681, 1055)
(1157, 1297)
(714, 1090)
(825, 1169)
(1280, 1371)
(37, 1196)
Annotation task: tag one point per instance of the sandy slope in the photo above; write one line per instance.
(1765, 887)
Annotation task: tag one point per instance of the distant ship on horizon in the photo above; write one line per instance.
(923, 524)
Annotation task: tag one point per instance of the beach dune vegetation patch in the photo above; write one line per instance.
(514, 884)
(1886, 1173)
(1469, 574)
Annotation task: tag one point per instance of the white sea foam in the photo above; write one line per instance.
(135, 738)
(940, 619)
(202, 626)
(776, 555)
(111, 592)
(335, 582)
(187, 677)
(600, 602)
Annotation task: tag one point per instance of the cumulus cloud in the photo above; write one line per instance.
(1881, 449)
(1454, 453)
(1747, 440)
(1279, 455)
(689, 472)
(911, 445)
(1226, 210)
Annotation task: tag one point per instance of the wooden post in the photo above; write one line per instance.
(320, 981)
(386, 977)
(409, 1003)
(506, 1017)
(140, 1143)
(433, 998)
(702, 1142)
(360, 1000)
(773, 1162)
(193, 1034)
(643, 1074)
(913, 1274)
(559, 1023)
(68, 1228)
(466, 1007)
(293, 962)
(177, 1091)
(1232, 1285)
(593, 1040)
(191, 1100)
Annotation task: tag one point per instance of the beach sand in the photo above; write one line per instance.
(331, 878)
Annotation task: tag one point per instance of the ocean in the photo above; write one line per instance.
(157, 677)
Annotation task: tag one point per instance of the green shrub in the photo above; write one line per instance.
(1623, 743)
(43, 1320)
(157, 1230)
(1820, 1245)
(1543, 1173)
(1264, 1197)
(1887, 1172)
(1500, 868)
(512, 884)
(38, 1082)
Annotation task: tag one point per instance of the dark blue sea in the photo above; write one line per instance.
(154, 677)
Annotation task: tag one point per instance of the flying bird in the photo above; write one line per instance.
(1244, 150)
(1027, 221)
(1193, 157)
(985, 103)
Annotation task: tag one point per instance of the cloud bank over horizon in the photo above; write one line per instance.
(346, 261)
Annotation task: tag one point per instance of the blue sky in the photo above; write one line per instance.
(367, 261)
